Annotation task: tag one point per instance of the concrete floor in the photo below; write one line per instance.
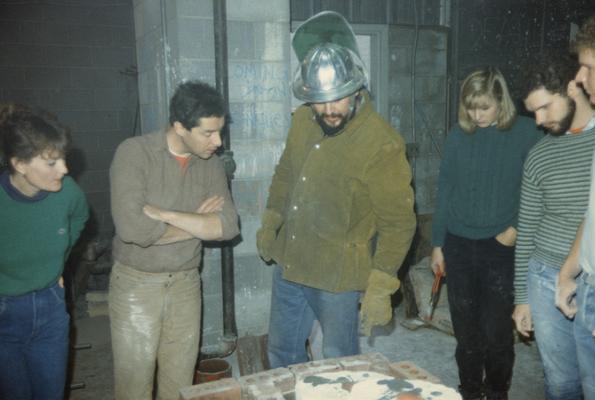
(430, 349)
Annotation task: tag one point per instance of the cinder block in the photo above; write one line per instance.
(191, 8)
(408, 370)
(429, 89)
(241, 39)
(401, 36)
(202, 69)
(360, 362)
(189, 30)
(261, 392)
(430, 62)
(432, 39)
(275, 10)
(379, 363)
(281, 378)
(244, 194)
(276, 47)
(314, 367)
(224, 389)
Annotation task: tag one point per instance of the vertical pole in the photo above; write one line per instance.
(222, 84)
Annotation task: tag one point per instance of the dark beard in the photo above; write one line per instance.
(564, 124)
(331, 130)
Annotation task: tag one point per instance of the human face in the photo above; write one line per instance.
(552, 111)
(586, 73)
(483, 112)
(333, 113)
(42, 172)
(204, 139)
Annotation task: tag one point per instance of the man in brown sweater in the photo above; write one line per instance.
(168, 193)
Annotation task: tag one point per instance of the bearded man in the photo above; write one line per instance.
(554, 198)
(342, 183)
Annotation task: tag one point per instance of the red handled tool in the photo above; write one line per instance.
(434, 295)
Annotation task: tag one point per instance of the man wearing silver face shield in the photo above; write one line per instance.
(343, 179)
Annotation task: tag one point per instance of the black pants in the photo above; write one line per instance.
(480, 277)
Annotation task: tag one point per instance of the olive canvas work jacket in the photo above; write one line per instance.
(335, 194)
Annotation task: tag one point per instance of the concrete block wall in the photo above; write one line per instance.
(431, 80)
(259, 78)
(175, 42)
(76, 60)
(372, 11)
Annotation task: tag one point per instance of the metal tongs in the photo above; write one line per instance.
(434, 296)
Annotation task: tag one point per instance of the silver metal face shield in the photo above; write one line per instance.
(327, 73)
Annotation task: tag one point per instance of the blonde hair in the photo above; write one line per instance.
(486, 82)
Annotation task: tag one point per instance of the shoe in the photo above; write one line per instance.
(471, 395)
(496, 395)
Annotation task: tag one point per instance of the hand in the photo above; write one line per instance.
(153, 212)
(211, 205)
(376, 308)
(508, 237)
(565, 295)
(522, 319)
(265, 237)
(437, 263)
(61, 282)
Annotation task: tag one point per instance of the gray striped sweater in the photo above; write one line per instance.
(554, 198)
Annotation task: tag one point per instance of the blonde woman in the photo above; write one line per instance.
(474, 229)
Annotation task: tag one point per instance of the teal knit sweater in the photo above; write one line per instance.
(480, 179)
(36, 237)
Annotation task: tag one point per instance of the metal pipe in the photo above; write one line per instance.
(228, 342)
(453, 64)
(166, 59)
(221, 65)
(413, 107)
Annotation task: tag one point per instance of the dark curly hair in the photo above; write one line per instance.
(585, 38)
(26, 133)
(552, 73)
(194, 100)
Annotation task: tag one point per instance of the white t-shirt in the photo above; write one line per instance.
(587, 250)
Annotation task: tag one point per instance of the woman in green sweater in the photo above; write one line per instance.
(474, 229)
(42, 213)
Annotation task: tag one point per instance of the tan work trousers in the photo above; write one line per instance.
(155, 323)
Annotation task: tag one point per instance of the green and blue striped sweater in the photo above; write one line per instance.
(554, 198)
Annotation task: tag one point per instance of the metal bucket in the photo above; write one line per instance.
(212, 370)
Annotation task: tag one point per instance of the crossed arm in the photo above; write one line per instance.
(203, 224)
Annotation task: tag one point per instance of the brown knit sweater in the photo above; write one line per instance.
(145, 172)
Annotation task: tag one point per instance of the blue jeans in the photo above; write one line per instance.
(294, 308)
(33, 345)
(584, 324)
(479, 274)
(553, 334)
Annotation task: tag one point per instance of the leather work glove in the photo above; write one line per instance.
(376, 308)
(266, 235)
